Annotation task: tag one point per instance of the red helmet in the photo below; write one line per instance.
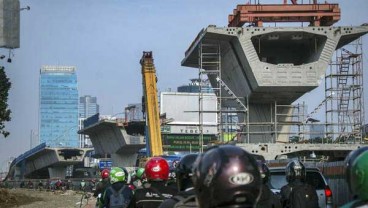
(157, 169)
(105, 173)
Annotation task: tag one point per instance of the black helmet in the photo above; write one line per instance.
(226, 176)
(295, 170)
(265, 171)
(183, 171)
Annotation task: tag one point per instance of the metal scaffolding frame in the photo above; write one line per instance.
(229, 105)
(285, 120)
(343, 102)
(209, 57)
(344, 95)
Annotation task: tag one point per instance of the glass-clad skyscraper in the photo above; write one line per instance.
(87, 107)
(58, 111)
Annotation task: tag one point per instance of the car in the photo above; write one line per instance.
(314, 178)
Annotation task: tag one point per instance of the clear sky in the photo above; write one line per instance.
(105, 40)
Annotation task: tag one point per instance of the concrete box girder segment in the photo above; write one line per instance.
(275, 63)
(268, 66)
(51, 158)
(293, 150)
(109, 137)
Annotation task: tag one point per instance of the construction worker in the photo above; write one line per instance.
(226, 176)
(183, 172)
(155, 190)
(101, 186)
(356, 169)
(118, 194)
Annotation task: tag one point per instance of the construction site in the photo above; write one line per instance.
(257, 68)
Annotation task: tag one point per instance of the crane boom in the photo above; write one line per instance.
(154, 147)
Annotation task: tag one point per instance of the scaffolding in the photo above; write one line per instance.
(209, 57)
(285, 120)
(344, 95)
(344, 108)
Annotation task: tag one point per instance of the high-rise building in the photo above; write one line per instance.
(87, 107)
(58, 111)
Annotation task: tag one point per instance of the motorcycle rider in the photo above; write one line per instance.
(101, 186)
(356, 170)
(155, 190)
(184, 174)
(138, 178)
(118, 194)
(296, 177)
(226, 176)
(268, 199)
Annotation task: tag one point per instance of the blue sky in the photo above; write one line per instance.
(105, 40)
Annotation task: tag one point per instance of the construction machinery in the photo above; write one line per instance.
(151, 109)
(256, 14)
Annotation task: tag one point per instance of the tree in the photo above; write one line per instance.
(4, 92)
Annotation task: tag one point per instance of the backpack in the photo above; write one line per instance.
(117, 198)
(183, 202)
(303, 196)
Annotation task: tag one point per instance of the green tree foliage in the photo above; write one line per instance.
(4, 92)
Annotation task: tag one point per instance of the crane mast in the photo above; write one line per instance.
(153, 135)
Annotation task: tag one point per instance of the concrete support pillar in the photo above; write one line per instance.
(17, 173)
(57, 172)
(124, 159)
(22, 169)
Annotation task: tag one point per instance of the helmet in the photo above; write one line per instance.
(228, 175)
(349, 161)
(105, 173)
(139, 173)
(265, 172)
(127, 175)
(117, 175)
(183, 171)
(357, 172)
(295, 170)
(157, 169)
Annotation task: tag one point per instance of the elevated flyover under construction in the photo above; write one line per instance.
(45, 162)
(266, 69)
(116, 140)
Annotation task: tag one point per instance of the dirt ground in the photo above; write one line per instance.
(26, 198)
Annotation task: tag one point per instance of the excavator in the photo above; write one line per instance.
(151, 109)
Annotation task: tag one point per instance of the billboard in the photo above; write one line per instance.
(9, 24)
(184, 142)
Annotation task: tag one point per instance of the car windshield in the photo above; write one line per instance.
(278, 180)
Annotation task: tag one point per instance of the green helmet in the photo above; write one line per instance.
(357, 172)
(117, 175)
(140, 173)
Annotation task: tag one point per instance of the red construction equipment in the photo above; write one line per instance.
(316, 14)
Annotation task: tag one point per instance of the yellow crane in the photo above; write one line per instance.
(153, 135)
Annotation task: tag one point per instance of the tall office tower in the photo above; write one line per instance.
(58, 111)
(87, 107)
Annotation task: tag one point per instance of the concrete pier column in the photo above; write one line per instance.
(57, 172)
(17, 173)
